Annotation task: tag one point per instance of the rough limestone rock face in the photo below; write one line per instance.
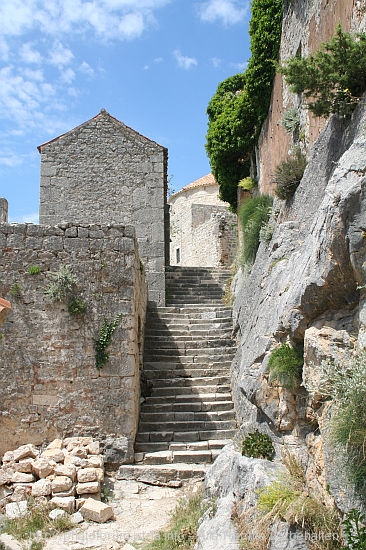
(232, 478)
(304, 288)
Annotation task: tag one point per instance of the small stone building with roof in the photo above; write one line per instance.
(203, 232)
(103, 172)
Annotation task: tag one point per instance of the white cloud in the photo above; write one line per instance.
(67, 76)
(184, 62)
(60, 55)
(86, 69)
(216, 62)
(229, 12)
(10, 159)
(109, 19)
(29, 55)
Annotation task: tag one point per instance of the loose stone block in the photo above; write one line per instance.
(42, 467)
(68, 470)
(65, 503)
(96, 511)
(53, 454)
(20, 477)
(25, 451)
(56, 513)
(95, 461)
(15, 510)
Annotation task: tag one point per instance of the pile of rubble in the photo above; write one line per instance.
(66, 476)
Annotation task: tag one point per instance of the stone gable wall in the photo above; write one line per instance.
(104, 172)
(50, 384)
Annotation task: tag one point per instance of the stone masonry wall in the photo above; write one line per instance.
(202, 228)
(50, 384)
(104, 172)
(306, 24)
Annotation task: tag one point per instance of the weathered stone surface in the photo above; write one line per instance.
(219, 531)
(99, 512)
(68, 470)
(61, 484)
(56, 455)
(95, 461)
(284, 537)
(40, 488)
(77, 518)
(87, 474)
(25, 451)
(43, 467)
(93, 448)
(16, 509)
(65, 503)
(90, 487)
(9, 542)
(20, 477)
(56, 513)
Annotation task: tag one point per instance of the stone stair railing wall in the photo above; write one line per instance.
(187, 415)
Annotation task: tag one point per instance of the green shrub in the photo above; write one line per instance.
(62, 285)
(285, 366)
(253, 215)
(34, 270)
(15, 290)
(291, 121)
(345, 383)
(105, 337)
(288, 174)
(258, 445)
(288, 499)
(247, 184)
(333, 78)
(76, 305)
(355, 531)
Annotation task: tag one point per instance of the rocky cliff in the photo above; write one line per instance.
(305, 289)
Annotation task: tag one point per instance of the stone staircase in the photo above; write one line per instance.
(188, 414)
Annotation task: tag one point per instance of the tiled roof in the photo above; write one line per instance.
(205, 181)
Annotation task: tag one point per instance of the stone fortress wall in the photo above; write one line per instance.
(203, 232)
(51, 386)
(104, 172)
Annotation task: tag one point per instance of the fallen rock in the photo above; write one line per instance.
(42, 467)
(20, 477)
(68, 470)
(16, 509)
(25, 451)
(9, 542)
(94, 510)
(87, 474)
(53, 454)
(65, 503)
(56, 513)
(90, 487)
(77, 518)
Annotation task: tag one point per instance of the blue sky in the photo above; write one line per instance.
(153, 64)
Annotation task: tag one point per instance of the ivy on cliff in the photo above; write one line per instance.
(240, 105)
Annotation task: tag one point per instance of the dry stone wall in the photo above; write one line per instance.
(51, 386)
(104, 172)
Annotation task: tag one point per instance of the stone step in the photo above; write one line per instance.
(192, 416)
(186, 426)
(211, 444)
(185, 436)
(175, 391)
(188, 332)
(164, 474)
(199, 406)
(203, 398)
(187, 359)
(176, 365)
(190, 382)
(194, 372)
(169, 457)
(160, 344)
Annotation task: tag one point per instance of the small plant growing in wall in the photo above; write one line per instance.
(285, 366)
(34, 270)
(291, 121)
(102, 342)
(63, 289)
(15, 290)
(258, 445)
(289, 173)
(355, 530)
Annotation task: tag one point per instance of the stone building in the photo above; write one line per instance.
(202, 230)
(104, 172)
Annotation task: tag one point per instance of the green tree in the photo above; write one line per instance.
(332, 79)
(240, 105)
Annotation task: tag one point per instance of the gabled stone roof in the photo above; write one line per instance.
(102, 113)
